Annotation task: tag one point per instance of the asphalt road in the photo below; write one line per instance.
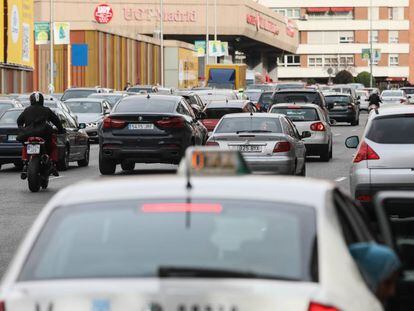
(19, 207)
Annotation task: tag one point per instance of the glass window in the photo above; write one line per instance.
(77, 93)
(218, 113)
(138, 239)
(144, 104)
(297, 114)
(249, 124)
(374, 37)
(5, 106)
(295, 97)
(293, 13)
(402, 128)
(396, 13)
(394, 60)
(10, 117)
(85, 107)
(346, 37)
(315, 61)
(393, 36)
(338, 99)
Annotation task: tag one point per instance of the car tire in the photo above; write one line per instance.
(325, 155)
(85, 161)
(127, 165)
(106, 166)
(63, 164)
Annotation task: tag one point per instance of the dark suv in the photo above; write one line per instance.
(343, 108)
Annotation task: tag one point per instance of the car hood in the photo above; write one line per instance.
(166, 294)
(88, 117)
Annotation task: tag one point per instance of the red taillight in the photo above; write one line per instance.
(181, 208)
(212, 143)
(283, 146)
(318, 127)
(171, 122)
(109, 123)
(364, 198)
(2, 306)
(365, 152)
(319, 307)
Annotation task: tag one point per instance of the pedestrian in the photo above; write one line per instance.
(127, 86)
(380, 266)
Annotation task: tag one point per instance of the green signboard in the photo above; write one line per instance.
(42, 33)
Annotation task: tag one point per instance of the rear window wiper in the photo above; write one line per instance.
(194, 272)
(254, 131)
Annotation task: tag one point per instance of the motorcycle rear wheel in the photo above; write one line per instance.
(33, 174)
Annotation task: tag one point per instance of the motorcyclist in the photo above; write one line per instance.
(374, 99)
(33, 121)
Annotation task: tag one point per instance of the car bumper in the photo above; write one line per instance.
(316, 149)
(10, 153)
(274, 165)
(92, 133)
(342, 116)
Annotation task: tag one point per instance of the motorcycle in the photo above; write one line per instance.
(38, 163)
(373, 107)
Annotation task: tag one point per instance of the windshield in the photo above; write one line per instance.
(85, 107)
(144, 104)
(253, 96)
(295, 97)
(10, 117)
(249, 124)
(142, 239)
(5, 106)
(77, 94)
(297, 114)
(337, 99)
(218, 113)
(342, 90)
(392, 130)
(392, 93)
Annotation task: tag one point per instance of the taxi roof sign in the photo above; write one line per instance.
(212, 161)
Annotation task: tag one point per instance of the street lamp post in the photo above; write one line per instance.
(51, 66)
(162, 40)
(371, 58)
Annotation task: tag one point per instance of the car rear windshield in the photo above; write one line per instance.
(249, 124)
(218, 113)
(392, 94)
(253, 96)
(266, 99)
(342, 90)
(10, 117)
(290, 86)
(5, 106)
(392, 130)
(204, 238)
(77, 94)
(337, 99)
(298, 114)
(295, 97)
(85, 107)
(141, 89)
(147, 105)
(409, 91)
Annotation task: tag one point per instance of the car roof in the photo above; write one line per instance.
(153, 96)
(393, 110)
(254, 115)
(85, 99)
(313, 192)
(297, 90)
(227, 104)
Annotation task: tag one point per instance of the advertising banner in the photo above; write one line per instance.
(214, 48)
(20, 43)
(200, 48)
(61, 33)
(42, 33)
(224, 48)
(366, 55)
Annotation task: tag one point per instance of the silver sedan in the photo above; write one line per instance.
(269, 142)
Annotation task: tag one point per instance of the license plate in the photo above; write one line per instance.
(11, 137)
(141, 126)
(33, 149)
(250, 148)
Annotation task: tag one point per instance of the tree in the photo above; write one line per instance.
(343, 77)
(364, 78)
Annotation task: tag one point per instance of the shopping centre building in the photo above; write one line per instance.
(122, 45)
(333, 35)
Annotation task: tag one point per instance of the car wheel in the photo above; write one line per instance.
(106, 166)
(85, 161)
(127, 165)
(63, 164)
(325, 155)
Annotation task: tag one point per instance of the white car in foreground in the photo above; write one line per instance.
(230, 243)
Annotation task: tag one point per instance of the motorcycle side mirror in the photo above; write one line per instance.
(82, 126)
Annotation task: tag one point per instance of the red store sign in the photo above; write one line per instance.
(103, 13)
(262, 23)
(178, 16)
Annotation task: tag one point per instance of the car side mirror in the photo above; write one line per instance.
(306, 134)
(82, 126)
(352, 142)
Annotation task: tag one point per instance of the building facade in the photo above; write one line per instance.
(334, 35)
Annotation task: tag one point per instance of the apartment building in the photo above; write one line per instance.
(334, 33)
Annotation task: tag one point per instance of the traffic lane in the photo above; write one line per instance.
(338, 168)
(20, 207)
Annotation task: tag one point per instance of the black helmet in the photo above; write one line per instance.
(36, 98)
